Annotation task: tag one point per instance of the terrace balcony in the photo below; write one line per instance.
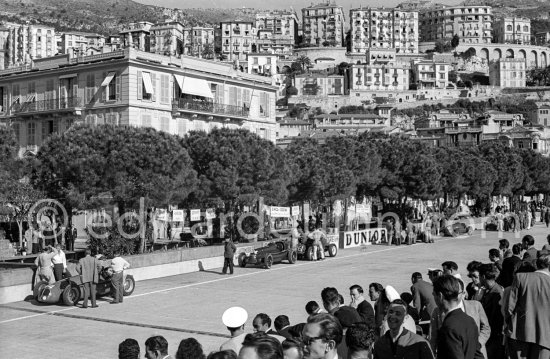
(52, 105)
(208, 108)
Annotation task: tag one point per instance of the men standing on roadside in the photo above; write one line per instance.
(423, 299)
(375, 290)
(363, 307)
(458, 335)
(509, 266)
(118, 265)
(317, 235)
(530, 254)
(70, 236)
(228, 254)
(88, 269)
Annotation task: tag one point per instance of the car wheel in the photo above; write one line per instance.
(38, 288)
(332, 250)
(455, 232)
(470, 231)
(128, 286)
(309, 253)
(292, 257)
(242, 260)
(268, 261)
(71, 295)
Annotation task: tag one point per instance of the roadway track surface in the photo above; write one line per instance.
(191, 305)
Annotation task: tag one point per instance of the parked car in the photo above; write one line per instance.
(70, 290)
(460, 224)
(305, 246)
(273, 252)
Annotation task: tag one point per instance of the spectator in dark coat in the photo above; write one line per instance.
(363, 307)
(491, 304)
(423, 299)
(509, 266)
(228, 253)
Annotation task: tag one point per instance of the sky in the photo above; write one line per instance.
(279, 4)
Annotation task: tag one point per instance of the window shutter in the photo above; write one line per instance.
(5, 101)
(104, 90)
(154, 81)
(239, 98)
(119, 87)
(221, 94)
(139, 86)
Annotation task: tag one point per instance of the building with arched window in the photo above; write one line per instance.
(510, 30)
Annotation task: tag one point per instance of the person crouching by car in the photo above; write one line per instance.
(44, 264)
(118, 265)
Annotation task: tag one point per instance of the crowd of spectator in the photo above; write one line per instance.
(501, 313)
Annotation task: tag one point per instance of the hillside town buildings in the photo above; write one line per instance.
(20, 44)
(383, 28)
(472, 23)
(237, 38)
(277, 31)
(512, 30)
(323, 24)
(507, 73)
(134, 88)
(167, 38)
(199, 41)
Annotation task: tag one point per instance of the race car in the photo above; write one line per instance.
(273, 252)
(305, 246)
(70, 290)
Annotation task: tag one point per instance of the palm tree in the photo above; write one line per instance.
(304, 62)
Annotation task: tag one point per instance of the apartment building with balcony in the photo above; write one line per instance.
(319, 84)
(166, 38)
(472, 23)
(507, 72)
(323, 24)
(431, 74)
(381, 72)
(21, 44)
(133, 88)
(199, 41)
(237, 37)
(79, 43)
(137, 35)
(262, 64)
(512, 30)
(277, 31)
(383, 28)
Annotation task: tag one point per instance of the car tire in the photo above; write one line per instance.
(470, 231)
(38, 288)
(332, 250)
(268, 261)
(71, 295)
(309, 253)
(128, 286)
(242, 260)
(292, 257)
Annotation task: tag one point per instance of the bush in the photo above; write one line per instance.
(108, 241)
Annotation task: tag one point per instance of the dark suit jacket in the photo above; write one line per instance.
(491, 305)
(366, 311)
(423, 299)
(458, 337)
(509, 267)
(408, 346)
(347, 316)
(88, 268)
(526, 310)
(285, 332)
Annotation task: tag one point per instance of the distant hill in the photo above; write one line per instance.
(105, 16)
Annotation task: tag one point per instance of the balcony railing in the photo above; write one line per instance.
(463, 129)
(187, 105)
(67, 103)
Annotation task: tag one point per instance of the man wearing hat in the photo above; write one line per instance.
(234, 319)
(228, 254)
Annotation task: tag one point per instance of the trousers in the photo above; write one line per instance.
(227, 262)
(117, 286)
(89, 291)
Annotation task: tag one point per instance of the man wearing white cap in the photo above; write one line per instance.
(234, 319)
(390, 295)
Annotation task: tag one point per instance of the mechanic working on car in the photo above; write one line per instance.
(118, 265)
(44, 264)
(317, 235)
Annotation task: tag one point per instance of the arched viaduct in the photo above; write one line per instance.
(535, 56)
